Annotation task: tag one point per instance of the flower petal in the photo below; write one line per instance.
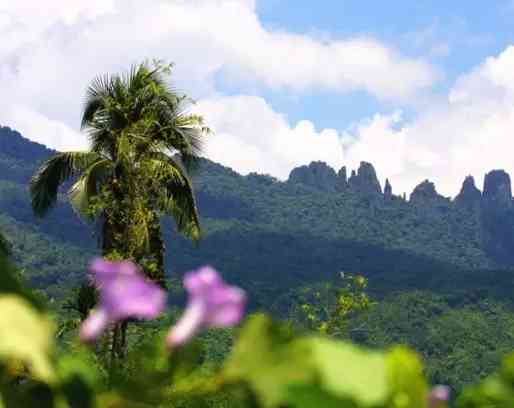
(103, 271)
(94, 325)
(439, 396)
(132, 296)
(212, 303)
(202, 280)
(227, 307)
(188, 326)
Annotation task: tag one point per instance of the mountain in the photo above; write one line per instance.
(271, 234)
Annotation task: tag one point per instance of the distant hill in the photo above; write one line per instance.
(271, 234)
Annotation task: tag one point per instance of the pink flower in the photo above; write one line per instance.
(212, 303)
(124, 293)
(439, 396)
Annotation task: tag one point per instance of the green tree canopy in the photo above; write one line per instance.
(143, 142)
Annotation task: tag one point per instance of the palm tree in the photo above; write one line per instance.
(143, 142)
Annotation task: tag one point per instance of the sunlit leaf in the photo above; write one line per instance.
(26, 334)
(405, 377)
(266, 359)
(348, 371)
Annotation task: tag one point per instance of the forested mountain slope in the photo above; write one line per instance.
(271, 234)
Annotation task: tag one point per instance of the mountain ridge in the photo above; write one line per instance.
(317, 174)
(259, 229)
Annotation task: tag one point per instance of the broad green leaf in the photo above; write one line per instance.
(406, 380)
(26, 334)
(312, 396)
(350, 372)
(86, 186)
(266, 358)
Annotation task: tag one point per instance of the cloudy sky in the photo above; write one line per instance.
(422, 89)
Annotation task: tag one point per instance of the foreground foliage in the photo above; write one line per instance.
(270, 365)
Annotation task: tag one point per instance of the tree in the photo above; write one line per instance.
(143, 142)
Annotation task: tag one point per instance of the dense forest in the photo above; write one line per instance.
(303, 230)
(334, 257)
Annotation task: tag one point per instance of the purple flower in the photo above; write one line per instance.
(439, 396)
(124, 293)
(212, 303)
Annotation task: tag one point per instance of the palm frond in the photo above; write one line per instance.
(96, 95)
(53, 173)
(180, 133)
(86, 186)
(177, 195)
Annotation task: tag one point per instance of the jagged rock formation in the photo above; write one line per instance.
(470, 196)
(497, 190)
(342, 180)
(317, 174)
(497, 193)
(425, 193)
(498, 216)
(323, 177)
(388, 190)
(365, 180)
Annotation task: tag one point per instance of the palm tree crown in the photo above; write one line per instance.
(143, 142)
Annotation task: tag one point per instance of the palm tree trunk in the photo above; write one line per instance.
(107, 236)
(157, 248)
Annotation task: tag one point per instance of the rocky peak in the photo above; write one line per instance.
(365, 180)
(469, 195)
(388, 190)
(342, 180)
(498, 189)
(317, 174)
(425, 193)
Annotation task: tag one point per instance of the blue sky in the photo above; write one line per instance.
(461, 33)
(422, 89)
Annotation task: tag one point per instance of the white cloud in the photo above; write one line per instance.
(468, 133)
(42, 129)
(48, 55)
(251, 137)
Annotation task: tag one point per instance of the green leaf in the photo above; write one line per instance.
(79, 379)
(405, 377)
(350, 372)
(266, 359)
(26, 334)
(150, 370)
(85, 188)
(312, 396)
(45, 184)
